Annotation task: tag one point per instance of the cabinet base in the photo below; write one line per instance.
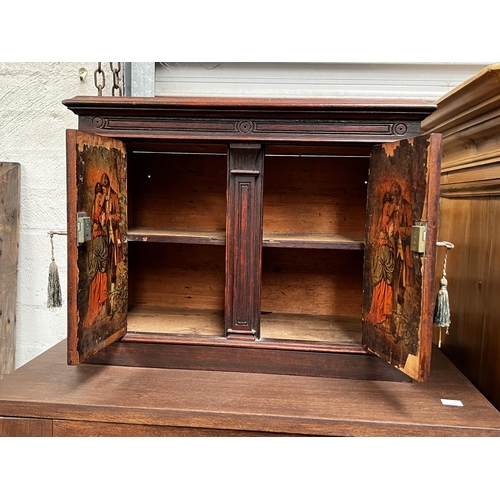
(361, 366)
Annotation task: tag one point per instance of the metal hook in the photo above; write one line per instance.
(446, 244)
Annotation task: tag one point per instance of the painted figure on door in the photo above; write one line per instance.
(383, 265)
(403, 221)
(391, 268)
(97, 260)
(112, 226)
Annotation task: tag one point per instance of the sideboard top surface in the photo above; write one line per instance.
(47, 387)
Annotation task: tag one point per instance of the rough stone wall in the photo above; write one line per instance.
(32, 132)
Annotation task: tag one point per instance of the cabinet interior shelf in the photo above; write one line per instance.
(272, 240)
(326, 241)
(177, 236)
(274, 326)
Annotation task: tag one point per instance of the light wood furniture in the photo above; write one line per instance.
(46, 397)
(469, 119)
(252, 235)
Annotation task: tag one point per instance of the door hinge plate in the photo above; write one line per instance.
(84, 231)
(418, 235)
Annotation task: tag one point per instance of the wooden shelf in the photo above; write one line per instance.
(150, 319)
(274, 326)
(322, 241)
(195, 237)
(271, 240)
(307, 327)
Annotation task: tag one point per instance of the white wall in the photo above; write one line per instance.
(394, 80)
(32, 132)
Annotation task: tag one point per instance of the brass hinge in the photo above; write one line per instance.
(418, 235)
(83, 231)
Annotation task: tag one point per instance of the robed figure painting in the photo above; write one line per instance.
(396, 314)
(101, 278)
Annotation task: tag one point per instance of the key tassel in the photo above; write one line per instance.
(54, 296)
(442, 316)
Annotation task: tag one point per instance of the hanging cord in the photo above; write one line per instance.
(442, 316)
(54, 295)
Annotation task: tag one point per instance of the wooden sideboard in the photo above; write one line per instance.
(46, 397)
(469, 119)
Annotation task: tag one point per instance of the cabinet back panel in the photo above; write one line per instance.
(317, 195)
(178, 191)
(323, 282)
(176, 275)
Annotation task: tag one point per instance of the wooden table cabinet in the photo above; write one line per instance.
(253, 235)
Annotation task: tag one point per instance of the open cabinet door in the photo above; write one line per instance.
(97, 248)
(398, 300)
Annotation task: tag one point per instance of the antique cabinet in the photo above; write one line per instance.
(291, 236)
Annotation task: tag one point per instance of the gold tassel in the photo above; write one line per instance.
(54, 295)
(442, 315)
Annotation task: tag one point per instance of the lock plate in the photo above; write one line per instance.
(84, 232)
(418, 234)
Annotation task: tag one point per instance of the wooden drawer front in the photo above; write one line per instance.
(25, 427)
(72, 428)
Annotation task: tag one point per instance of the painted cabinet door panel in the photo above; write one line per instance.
(398, 300)
(97, 269)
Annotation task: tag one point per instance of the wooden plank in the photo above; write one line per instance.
(10, 178)
(276, 240)
(314, 241)
(146, 234)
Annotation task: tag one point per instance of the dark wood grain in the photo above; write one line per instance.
(244, 240)
(212, 353)
(239, 119)
(47, 388)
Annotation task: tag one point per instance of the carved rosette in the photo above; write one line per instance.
(400, 128)
(98, 122)
(245, 127)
